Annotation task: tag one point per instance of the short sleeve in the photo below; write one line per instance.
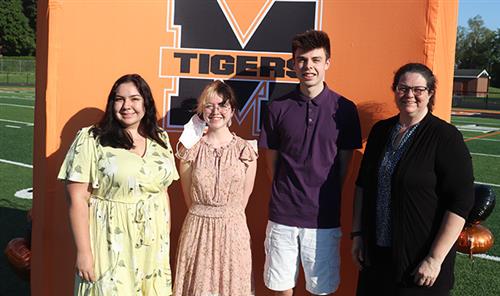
(249, 152)
(79, 162)
(185, 154)
(349, 127)
(170, 154)
(269, 137)
(455, 173)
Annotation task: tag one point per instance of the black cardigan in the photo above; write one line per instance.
(434, 175)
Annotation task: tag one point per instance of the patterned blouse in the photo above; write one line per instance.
(392, 155)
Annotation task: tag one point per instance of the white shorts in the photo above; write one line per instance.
(317, 249)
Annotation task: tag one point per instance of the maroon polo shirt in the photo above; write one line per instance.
(308, 133)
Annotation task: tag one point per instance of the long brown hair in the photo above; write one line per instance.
(110, 132)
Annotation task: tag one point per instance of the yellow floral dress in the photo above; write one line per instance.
(128, 215)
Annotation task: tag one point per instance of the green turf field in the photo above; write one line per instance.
(479, 277)
(16, 132)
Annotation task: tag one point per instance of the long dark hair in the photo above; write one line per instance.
(109, 131)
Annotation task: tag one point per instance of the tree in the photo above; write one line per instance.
(29, 9)
(16, 35)
(478, 48)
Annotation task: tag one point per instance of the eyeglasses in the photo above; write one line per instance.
(223, 108)
(417, 90)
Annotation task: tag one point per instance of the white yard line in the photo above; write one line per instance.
(477, 128)
(489, 184)
(483, 256)
(488, 257)
(12, 126)
(18, 98)
(484, 154)
(24, 165)
(471, 122)
(472, 130)
(15, 121)
(20, 106)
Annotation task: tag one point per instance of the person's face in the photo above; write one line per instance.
(128, 105)
(216, 114)
(311, 66)
(412, 94)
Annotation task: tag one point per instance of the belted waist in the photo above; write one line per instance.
(129, 202)
(215, 211)
(142, 217)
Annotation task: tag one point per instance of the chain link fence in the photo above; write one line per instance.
(17, 71)
(490, 101)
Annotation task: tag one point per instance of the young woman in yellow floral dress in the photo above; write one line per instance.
(117, 173)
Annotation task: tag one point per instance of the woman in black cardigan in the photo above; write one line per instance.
(414, 191)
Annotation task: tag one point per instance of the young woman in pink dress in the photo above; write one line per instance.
(217, 176)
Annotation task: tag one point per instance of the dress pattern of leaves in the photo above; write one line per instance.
(128, 215)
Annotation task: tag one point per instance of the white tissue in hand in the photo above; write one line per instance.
(193, 131)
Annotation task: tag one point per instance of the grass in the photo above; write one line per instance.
(17, 78)
(479, 277)
(13, 179)
(493, 224)
(16, 145)
(486, 169)
(493, 92)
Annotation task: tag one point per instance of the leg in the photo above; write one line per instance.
(282, 258)
(319, 249)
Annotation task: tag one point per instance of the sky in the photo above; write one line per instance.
(489, 10)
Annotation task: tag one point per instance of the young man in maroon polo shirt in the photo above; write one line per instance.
(309, 136)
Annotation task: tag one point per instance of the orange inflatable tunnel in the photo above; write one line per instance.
(177, 46)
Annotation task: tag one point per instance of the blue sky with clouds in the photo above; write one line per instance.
(489, 10)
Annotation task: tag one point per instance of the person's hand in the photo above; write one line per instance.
(85, 266)
(357, 252)
(427, 272)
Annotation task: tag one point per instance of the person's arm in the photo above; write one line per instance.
(271, 157)
(250, 178)
(357, 249)
(78, 195)
(185, 171)
(456, 179)
(428, 270)
(344, 159)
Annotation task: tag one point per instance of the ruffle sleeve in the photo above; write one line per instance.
(184, 154)
(249, 152)
(170, 155)
(80, 161)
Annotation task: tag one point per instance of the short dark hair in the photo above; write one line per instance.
(422, 70)
(217, 87)
(111, 133)
(311, 39)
